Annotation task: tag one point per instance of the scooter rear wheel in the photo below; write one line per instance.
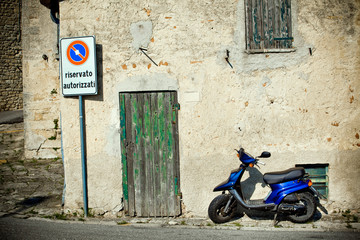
(216, 209)
(309, 201)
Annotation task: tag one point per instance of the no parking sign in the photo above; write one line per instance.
(78, 66)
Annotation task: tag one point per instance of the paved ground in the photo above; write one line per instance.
(33, 188)
(11, 141)
(27, 185)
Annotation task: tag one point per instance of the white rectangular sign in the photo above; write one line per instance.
(78, 66)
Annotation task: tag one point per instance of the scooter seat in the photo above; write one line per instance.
(284, 176)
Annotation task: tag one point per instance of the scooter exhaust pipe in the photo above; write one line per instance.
(286, 208)
(249, 206)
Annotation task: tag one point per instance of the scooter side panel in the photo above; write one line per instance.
(229, 184)
(279, 191)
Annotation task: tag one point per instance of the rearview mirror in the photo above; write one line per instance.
(265, 155)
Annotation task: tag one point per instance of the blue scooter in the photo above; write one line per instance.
(291, 193)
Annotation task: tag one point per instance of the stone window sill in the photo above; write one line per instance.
(270, 50)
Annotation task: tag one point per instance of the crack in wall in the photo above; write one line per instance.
(37, 151)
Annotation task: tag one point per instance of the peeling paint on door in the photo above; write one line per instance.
(150, 156)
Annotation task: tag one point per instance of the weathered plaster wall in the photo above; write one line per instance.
(10, 56)
(303, 108)
(41, 82)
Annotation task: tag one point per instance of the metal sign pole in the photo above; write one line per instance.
(78, 69)
(83, 161)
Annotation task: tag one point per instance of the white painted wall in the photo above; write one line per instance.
(301, 108)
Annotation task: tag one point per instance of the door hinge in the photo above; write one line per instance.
(180, 195)
(176, 106)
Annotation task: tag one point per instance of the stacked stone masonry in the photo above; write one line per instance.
(10, 56)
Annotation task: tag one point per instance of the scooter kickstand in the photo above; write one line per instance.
(275, 222)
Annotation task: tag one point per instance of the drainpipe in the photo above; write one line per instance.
(53, 5)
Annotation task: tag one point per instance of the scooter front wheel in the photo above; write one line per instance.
(308, 200)
(217, 207)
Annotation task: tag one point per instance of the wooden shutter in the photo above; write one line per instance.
(268, 24)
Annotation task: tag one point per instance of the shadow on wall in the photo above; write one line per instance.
(248, 186)
(99, 68)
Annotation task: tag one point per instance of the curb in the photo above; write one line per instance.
(204, 223)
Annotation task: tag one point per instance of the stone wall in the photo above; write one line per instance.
(10, 56)
(302, 106)
(41, 82)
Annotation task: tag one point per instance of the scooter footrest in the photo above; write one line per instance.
(255, 202)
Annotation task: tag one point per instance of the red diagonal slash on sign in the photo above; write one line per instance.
(77, 52)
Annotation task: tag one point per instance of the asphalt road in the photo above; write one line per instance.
(13, 228)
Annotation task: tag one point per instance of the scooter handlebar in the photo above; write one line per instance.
(262, 163)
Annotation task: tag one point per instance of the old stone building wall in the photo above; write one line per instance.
(41, 82)
(302, 106)
(10, 56)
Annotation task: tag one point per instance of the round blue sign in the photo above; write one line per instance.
(78, 52)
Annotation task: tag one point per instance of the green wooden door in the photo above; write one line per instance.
(150, 153)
